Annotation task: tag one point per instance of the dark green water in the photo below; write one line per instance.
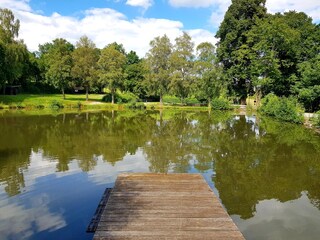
(54, 169)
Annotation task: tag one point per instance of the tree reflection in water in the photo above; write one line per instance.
(253, 159)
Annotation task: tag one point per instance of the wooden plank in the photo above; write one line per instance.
(98, 213)
(164, 206)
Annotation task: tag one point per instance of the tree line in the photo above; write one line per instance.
(258, 53)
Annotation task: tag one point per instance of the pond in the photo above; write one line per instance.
(54, 168)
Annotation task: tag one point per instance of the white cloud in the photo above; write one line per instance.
(102, 25)
(194, 3)
(219, 7)
(22, 5)
(23, 220)
(200, 35)
(140, 3)
(311, 7)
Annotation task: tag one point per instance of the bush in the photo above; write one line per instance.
(125, 97)
(56, 105)
(40, 106)
(137, 105)
(285, 109)
(171, 100)
(220, 104)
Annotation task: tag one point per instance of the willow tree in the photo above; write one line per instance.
(233, 48)
(111, 68)
(158, 62)
(85, 58)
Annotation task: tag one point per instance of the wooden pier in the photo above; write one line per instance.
(164, 206)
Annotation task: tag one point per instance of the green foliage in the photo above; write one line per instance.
(209, 82)
(135, 74)
(13, 52)
(111, 69)
(85, 58)
(181, 63)
(280, 43)
(285, 109)
(56, 105)
(173, 100)
(40, 106)
(58, 63)
(120, 97)
(220, 104)
(158, 66)
(233, 48)
(137, 105)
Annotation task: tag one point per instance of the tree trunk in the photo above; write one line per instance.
(161, 101)
(64, 96)
(87, 93)
(112, 96)
(209, 102)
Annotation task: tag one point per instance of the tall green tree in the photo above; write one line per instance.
(111, 68)
(158, 62)
(135, 75)
(181, 62)
(13, 52)
(58, 60)
(85, 58)
(209, 74)
(280, 43)
(308, 86)
(233, 49)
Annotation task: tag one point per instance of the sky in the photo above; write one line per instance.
(133, 23)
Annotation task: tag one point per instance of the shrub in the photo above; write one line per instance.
(171, 100)
(137, 105)
(220, 104)
(40, 106)
(20, 105)
(56, 104)
(285, 109)
(125, 97)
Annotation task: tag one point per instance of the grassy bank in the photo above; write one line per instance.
(74, 101)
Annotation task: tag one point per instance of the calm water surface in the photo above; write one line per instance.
(54, 168)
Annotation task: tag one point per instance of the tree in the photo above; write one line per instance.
(135, 75)
(308, 88)
(59, 64)
(208, 72)
(158, 61)
(181, 62)
(85, 58)
(280, 43)
(233, 49)
(111, 68)
(13, 52)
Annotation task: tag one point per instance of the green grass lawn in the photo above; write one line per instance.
(49, 100)
(73, 101)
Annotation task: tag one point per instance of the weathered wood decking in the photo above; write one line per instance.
(164, 206)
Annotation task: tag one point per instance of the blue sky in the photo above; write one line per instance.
(134, 23)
